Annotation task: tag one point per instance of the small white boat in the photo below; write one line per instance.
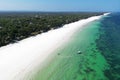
(79, 52)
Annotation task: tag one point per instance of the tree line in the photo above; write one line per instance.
(17, 26)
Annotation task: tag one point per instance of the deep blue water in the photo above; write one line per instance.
(109, 44)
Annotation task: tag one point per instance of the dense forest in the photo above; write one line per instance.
(15, 26)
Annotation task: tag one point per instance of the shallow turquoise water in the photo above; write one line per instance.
(69, 65)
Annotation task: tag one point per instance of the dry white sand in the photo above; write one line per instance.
(19, 58)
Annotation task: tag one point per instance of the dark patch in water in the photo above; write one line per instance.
(88, 70)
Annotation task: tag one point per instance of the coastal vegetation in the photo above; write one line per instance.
(15, 26)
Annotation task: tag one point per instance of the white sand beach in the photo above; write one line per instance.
(18, 59)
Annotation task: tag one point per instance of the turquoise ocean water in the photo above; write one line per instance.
(91, 54)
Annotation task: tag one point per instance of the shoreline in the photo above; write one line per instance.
(20, 58)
